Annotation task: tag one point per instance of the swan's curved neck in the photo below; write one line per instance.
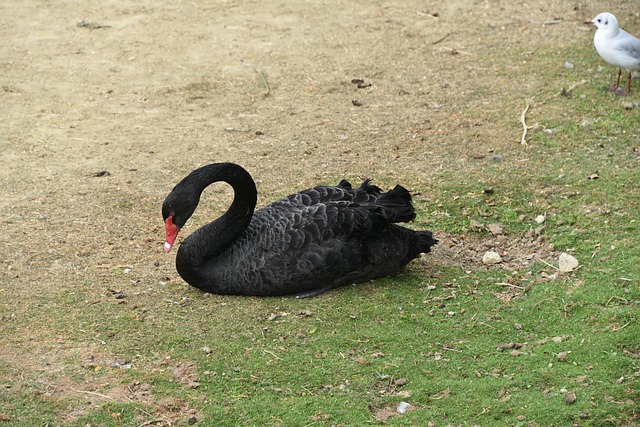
(213, 238)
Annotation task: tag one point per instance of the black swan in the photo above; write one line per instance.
(304, 244)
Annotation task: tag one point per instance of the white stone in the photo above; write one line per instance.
(567, 263)
(540, 219)
(491, 258)
(402, 407)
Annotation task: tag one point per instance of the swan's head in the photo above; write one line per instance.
(604, 21)
(176, 210)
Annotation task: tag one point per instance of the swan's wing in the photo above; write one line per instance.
(344, 191)
(395, 205)
(320, 194)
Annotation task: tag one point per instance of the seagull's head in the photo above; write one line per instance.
(604, 21)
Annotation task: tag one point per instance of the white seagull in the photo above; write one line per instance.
(616, 46)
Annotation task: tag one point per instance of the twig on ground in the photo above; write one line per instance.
(622, 300)
(621, 327)
(273, 354)
(510, 285)
(523, 139)
(541, 301)
(441, 39)
(93, 393)
(565, 92)
(550, 265)
(148, 423)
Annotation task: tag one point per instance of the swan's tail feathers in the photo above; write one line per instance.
(397, 205)
(370, 189)
(402, 193)
(345, 184)
(425, 241)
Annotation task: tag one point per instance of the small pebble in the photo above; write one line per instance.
(540, 219)
(402, 407)
(570, 398)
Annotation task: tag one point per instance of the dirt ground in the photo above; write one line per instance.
(104, 106)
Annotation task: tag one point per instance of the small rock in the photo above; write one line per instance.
(540, 219)
(206, 349)
(491, 258)
(570, 398)
(495, 228)
(568, 65)
(401, 382)
(192, 420)
(402, 407)
(496, 158)
(503, 347)
(567, 263)
(121, 363)
(562, 356)
(518, 326)
(627, 105)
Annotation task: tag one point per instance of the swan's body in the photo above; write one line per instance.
(616, 46)
(304, 244)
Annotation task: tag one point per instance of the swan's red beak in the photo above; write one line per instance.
(171, 232)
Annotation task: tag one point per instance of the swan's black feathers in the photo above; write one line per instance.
(305, 243)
